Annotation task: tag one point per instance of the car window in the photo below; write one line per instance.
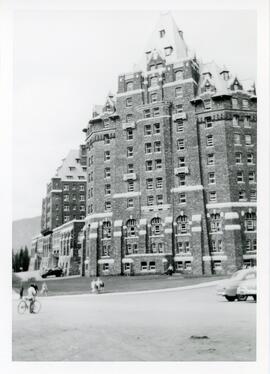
(250, 276)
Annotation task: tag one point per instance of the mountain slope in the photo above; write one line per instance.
(23, 231)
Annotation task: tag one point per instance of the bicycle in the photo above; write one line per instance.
(23, 305)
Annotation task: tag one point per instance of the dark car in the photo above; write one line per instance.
(58, 272)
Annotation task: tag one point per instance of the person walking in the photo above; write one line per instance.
(44, 289)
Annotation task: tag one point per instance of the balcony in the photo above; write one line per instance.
(129, 176)
(181, 170)
(177, 116)
(129, 125)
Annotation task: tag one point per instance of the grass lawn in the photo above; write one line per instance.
(81, 285)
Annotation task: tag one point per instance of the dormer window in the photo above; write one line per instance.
(168, 51)
(129, 86)
(162, 33)
(153, 81)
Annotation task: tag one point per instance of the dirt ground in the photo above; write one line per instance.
(183, 325)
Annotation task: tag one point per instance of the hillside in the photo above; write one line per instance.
(23, 230)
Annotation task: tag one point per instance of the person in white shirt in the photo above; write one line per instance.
(31, 296)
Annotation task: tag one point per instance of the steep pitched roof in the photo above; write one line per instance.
(165, 36)
(71, 167)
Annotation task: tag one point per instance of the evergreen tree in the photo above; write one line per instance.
(26, 259)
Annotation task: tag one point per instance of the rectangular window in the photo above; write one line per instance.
(159, 183)
(238, 158)
(106, 139)
(211, 178)
(160, 247)
(180, 126)
(242, 196)
(106, 123)
(107, 189)
(66, 187)
(158, 164)
(248, 139)
(246, 121)
(251, 176)
(127, 267)
(159, 199)
(91, 192)
(149, 184)
(179, 92)
(156, 128)
(253, 195)
(129, 134)
(182, 198)
(236, 139)
(108, 206)
(157, 147)
(147, 130)
(130, 168)
(153, 98)
(179, 108)
(248, 245)
(181, 162)
(130, 186)
(129, 151)
(105, 267)
(209, 141)
(152, 265)
(66, 208)
(212, 196)
(147, 113)
(156, 112)
(250, 158)
(150, 200)
(180, 144)
(129, 118)
(235, 103)
(107, 173)
(130, 203)
(179, 75)
(129, 86)
(66, 197)
(82, 208)
(208, 122)
(210, 159)
(107, 156)
(129, 101)
(240, 177)
(82, 198)
(81, 187)
(148, 148)
(143, 266)
(235, 121)
(182, 180)
(149, 165)
(245, 104)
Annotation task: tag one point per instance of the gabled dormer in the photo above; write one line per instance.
(235, 85)
(109, 106)
(155, 60)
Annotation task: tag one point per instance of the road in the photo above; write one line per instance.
(160, 326)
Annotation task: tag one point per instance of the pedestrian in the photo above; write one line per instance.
(170, 270)
(100, 285)
(21, 291)
(93, 286)
(44, 289)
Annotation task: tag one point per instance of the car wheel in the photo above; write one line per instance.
(230, 298)
(241, 297)
(255, 297)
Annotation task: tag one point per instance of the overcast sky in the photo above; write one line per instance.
(67, 61)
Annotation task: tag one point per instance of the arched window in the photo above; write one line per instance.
(179, 75)
(182, 225)
(129, 86)
(215, 222)
(156, 226)
(106, 229)
(131, 227)
(250, 221)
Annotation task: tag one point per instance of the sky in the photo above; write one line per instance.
(64, 62)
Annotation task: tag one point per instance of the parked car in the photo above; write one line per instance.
(247, 288)
(228, 288)
(58, 272)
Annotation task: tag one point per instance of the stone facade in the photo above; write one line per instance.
(171, 170)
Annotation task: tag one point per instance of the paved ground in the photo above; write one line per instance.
(139, 327)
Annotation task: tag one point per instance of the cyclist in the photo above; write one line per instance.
(32, 292)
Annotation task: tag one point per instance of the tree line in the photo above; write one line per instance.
(20, 260)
